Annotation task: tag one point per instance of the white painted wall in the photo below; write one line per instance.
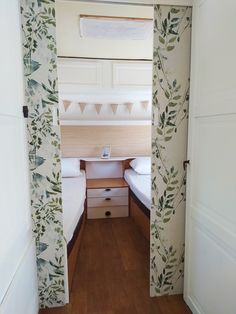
(76, 75)
(69, 43)
(18, 281)
(210, 267)
(105, 82)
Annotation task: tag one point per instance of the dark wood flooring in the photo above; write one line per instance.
(112, 275)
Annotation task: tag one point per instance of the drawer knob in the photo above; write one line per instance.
(108, 213)
(107, 190)
(107, 199)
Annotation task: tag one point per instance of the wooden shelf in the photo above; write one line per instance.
(106, 183)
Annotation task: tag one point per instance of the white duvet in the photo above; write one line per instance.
(140, 184)
(73, 197)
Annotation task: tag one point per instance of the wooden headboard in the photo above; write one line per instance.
(87, 141)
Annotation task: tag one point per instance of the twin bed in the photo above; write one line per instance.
(73, 197)
(74, 204)
(140, 185)
(138, 177)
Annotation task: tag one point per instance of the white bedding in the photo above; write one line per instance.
(140, 184)
(73, 197)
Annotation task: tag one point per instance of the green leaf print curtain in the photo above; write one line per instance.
(171, 72)
(41, 96)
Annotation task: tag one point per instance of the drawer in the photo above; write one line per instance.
(107, 212)
(107, 192)
(107, 201)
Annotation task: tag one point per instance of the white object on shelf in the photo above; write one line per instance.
(106, 152)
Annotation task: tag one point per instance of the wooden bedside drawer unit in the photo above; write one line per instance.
(107, 198)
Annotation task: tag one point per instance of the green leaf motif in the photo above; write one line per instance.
(39, 161)
(167, 94)
(162, 40)
(41, 247)
(174, 10)
(30, 66)
(170, 48)
(159, 131)
(33, 86)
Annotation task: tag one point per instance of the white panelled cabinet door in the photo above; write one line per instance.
(18, 280)
(210, 263)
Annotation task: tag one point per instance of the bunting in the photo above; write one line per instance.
(114, 108)
(129, 106)
(82, 106)
(66, 104)
(144, 104)
(98, 107)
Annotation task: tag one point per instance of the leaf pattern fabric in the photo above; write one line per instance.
(171, 71)
(41, 96)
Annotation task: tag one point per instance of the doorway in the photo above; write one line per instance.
(105, 96)
(171, 27)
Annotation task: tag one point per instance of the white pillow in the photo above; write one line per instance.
(70, 167)
(142, 165)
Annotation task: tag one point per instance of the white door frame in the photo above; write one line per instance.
(189, 154)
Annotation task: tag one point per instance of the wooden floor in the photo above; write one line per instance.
(112, 275)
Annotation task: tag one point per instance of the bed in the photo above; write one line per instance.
(73, 201)
(140, 199)
(140, 185)
(73, 198)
